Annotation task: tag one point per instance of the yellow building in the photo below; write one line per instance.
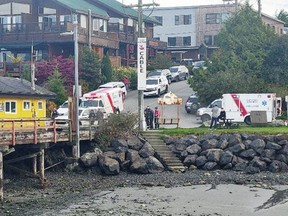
(19, 101)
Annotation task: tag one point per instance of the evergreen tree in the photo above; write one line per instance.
(237, 66)
(56, 84)
(107, 68)
(90, 68)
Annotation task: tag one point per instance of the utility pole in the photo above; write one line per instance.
(259, 8)
(140, 6)
(32, 68)
(236, 5)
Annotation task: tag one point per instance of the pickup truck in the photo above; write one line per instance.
(156, 85)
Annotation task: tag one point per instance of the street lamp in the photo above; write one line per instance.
(76, 88)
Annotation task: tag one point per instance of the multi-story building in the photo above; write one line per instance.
(190, 31)
(42, 27)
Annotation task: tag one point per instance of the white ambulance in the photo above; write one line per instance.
(108, 99)
(239, 106)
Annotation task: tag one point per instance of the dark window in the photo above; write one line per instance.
(213, 18)
(208, 39)
(157, 38)
(177, 20)
(183, 19)
(187, 41)
(171, 41)
(160, 19)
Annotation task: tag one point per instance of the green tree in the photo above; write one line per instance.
(107, 68)
(237, 66)
(160, 61)
(283, 16)
(55, 84)
(90, 68)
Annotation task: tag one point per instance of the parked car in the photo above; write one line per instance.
(120, 85)
(161, 72)
(199, 64)
(192, 104)
(156, 85)
(179, 72)
(84, 114)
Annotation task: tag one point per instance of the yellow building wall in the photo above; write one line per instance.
(25, 108)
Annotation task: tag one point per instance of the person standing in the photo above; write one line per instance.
(126, 82)
(146, 114)
(54, 113)
(215, 115)
(156, 117)
(151, 118)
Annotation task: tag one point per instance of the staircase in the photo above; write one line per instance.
(163, 153)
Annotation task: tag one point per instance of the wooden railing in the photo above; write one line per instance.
(24, 131)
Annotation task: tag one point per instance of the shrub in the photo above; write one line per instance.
(117, 126)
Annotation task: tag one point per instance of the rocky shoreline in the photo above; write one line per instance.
(23, 196)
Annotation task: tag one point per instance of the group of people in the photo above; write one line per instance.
(152, 117)
(217, 115)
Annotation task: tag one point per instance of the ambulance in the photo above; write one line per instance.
(239, 106)
(110, 100)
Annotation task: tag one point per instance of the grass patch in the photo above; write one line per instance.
(269, 130)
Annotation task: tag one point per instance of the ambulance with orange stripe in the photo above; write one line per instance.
(239, 106)
(109, 100)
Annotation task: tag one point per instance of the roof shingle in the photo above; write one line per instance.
(20, 87)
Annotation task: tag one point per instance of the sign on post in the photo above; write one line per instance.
(141, 63)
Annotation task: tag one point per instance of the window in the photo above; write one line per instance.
(187, 41)
(213, 18)
(208, 39)
(40, 105)
(160, 19)
(171, 41)
(10, 107)
(183, 19)
(26, 105)
(157, 38)
(65, 18)
(100, 25)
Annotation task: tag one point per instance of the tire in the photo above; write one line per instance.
(205, 118)
(195, 106)
(166, 89)
(186, 76)
(159, 93)
(247, 120)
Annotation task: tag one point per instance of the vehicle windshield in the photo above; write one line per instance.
(64, 105)
(173, 70)
(152, 82)
(198, 64)
(89, 103)
(154, 73)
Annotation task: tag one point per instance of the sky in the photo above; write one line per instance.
(269, 7)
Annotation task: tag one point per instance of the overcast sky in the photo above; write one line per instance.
(268, 6)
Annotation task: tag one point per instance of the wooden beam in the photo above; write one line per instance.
(1, 177)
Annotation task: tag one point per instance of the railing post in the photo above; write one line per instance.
(54, 131)
(35, 131)
(13, 133)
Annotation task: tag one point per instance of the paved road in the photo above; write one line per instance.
(181, 89)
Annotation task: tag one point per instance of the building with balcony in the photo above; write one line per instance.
(190, 31)
(42, 27)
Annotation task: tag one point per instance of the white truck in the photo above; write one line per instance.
(110, 100)
(239, 106)
(156, 85)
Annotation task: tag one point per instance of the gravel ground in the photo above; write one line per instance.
(24, 196)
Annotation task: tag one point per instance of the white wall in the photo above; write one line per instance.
(169, 29)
